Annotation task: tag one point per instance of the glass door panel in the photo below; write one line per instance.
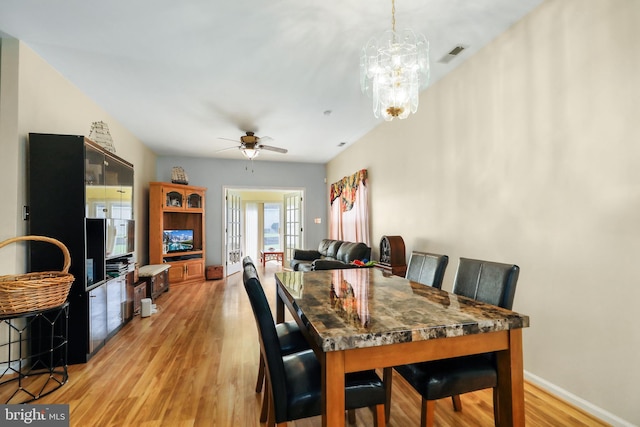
(95, 205)
(293, 224)
(272, 240)
(233, 233)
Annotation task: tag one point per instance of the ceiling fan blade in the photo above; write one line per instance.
(228, 139)
(276, 149)
(225, 149)
(265, 139)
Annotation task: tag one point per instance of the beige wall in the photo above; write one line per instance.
(9, 152)
(36, 98)
(530, 153)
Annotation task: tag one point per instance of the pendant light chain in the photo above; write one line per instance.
(393, 21)
(393, 16)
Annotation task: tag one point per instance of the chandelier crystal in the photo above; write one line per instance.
(393, 70)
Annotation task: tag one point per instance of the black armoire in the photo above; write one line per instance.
(82, 195)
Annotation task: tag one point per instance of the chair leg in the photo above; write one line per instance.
(457, 403)
(351, 416)
(260, 375)
(271, 418)
(379, 416)
(387, 380)
(496, 409)
(264, 411)
(427, 413)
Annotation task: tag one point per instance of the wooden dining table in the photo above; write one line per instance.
(360, 319)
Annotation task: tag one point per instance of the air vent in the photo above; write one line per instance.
(452, 54)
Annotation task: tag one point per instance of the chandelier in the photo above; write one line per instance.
(393, 69)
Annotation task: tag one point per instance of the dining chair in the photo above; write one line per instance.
(485, 281)
(427, 269)
(293, 382)
(291, 340)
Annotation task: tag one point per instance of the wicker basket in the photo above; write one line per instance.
(23, 293)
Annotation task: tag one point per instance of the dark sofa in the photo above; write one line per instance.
(331, 254)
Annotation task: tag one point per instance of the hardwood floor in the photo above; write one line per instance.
(195, 362)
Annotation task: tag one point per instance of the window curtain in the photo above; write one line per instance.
(349, 217)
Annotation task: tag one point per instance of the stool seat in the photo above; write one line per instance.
(152, 269)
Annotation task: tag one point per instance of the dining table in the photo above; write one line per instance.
(363, 318)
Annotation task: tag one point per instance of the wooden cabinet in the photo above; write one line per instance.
(182, 271)
(393, 255)
(139, 292)
(176, 230)
(82, 195)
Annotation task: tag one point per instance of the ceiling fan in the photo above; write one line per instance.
(250, 145)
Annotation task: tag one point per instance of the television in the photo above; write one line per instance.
(177, 241)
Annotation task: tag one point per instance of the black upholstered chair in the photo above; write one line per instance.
(294, 381)
(489, 282)
(291, 341)
(427, 268)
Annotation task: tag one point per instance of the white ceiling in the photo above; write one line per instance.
(182, 74)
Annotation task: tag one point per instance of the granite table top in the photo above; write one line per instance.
(356, 308)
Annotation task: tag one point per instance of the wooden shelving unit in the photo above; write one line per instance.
(177, 207)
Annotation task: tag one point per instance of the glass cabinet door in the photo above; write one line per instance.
(95, 206)
(194, 201)
(174, 199)
(97, 317)
(118, 189)
(115, 297)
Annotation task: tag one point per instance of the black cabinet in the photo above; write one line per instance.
(82, 195)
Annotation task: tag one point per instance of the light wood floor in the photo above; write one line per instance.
(195, 364)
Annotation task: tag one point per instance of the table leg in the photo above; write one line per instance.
(333, 389)
(279, 307)
(511, 382)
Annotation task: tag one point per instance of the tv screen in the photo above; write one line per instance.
(177, 240)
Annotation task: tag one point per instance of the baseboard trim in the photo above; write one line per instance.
(578, 402)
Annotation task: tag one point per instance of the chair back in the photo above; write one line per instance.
(269, 343)
(427, 269)
(485, 281)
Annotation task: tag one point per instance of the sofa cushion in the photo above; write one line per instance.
(297, 264)
(305, 266)
(328, 264)
(306, 254)
(350, 252)
(334, 248)
(323, 247)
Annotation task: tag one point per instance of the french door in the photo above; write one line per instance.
(292, 224)
(233, 231)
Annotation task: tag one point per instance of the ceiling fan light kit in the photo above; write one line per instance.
(250, 145)
(393, 70)
(249, 153)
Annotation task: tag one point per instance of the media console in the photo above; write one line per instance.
(176, 211)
